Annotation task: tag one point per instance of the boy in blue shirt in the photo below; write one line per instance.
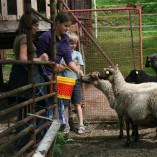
(76, 98)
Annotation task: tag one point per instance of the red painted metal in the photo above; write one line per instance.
(140, 30)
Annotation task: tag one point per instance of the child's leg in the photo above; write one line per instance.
(66, 107)
(79, 114)
(81, 127)
(67, 115)
(76, 100)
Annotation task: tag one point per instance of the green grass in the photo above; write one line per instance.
(101, 3)
(120, 41)
(7, 67)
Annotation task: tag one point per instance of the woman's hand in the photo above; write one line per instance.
(44, 57)
(61, 67)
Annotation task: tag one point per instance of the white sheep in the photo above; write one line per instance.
(137, 101)
(106, 88)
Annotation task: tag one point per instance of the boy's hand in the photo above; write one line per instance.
(80, 73)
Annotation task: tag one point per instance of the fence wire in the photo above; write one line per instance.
(117, 32)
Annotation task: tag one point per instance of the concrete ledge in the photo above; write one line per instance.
(47, 141)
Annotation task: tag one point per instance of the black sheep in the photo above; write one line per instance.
(151, 61)
(140, 76)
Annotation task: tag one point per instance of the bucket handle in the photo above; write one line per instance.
(69, 69)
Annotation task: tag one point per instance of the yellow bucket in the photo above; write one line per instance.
(65, 87)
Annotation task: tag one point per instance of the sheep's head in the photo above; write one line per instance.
(133, 76)
(151, 61)
(90, 78)
(107, 73)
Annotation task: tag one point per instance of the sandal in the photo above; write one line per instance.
(81, 129)
(66, 130)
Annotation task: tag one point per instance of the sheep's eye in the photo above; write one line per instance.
(107, 72)
(136, 72)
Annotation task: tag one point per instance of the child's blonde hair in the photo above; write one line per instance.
(72, 36)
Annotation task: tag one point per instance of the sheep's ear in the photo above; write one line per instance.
(117, 65)
(112, 70)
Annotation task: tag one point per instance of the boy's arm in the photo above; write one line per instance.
(77, 64)
(79, 61)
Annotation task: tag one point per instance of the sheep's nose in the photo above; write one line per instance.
(101, 75)
(85, 80)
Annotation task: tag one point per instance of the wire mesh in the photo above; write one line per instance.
(117, 32)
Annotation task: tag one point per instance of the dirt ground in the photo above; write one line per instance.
(101, 140)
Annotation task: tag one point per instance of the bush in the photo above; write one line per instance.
(60, 145)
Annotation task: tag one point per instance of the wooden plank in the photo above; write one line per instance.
(1, 72)
(20, 9)
(8, 26)
(12, 17)
(4, 9)
(48, 140)
(34, 4)
(47, 9)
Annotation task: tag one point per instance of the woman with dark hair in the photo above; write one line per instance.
(20, 43)
(19, 72)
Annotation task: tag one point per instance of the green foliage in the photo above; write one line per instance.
(60, 145)
(86, 122)
(147, 6)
